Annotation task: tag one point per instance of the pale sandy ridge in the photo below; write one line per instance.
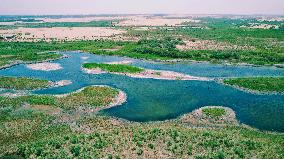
(62, 33)
(45, 66)
(154, 74)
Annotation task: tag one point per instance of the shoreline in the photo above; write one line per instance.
(19, 62)
(19, 93)
(178, 121)
(247, 90)
(224, 63)
(120, 99)
(44, 66)
(151, 74)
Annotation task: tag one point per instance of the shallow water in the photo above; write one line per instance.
(152, 100)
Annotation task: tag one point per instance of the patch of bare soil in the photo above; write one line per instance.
(62, 33)
(60, 83)
(153, 21)
(45, 66)
(50, 110)
(124, 62)
(165, 75)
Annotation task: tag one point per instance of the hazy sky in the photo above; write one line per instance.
(20, 7)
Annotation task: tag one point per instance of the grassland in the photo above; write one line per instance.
(22, 83)
(234, 44)
(262, 84)
(254, 46)
(26, 51)
(54, 127)
(119, 68)
(214, 112)
(89, 97)
(103, 137)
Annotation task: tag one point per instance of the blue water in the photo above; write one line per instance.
(152, 100)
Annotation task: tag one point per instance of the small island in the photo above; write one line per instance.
(258, 84)
(136, 72)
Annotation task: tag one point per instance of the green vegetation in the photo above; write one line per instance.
(88, 97)
(242, 45)
(254, 46)
(93, 96)
(51, 127)
(263, 84)
(22, 83)
(113, 67)
(102, 137)
(214, 112)
(26, 51)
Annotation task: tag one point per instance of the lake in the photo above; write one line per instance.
(158, 100)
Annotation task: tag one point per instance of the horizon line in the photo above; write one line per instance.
(94, 14)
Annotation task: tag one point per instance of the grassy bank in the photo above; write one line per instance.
(214, 112)
(147, 49)
(50, 127)
(22, 83)
(102, 137)
(93, 96)
(263, 84)
(89, 97)
(26, 51)
(113, 67)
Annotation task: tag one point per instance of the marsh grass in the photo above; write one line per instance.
(113, 67)
(89, 97)
(214, 112)
(141, 140)
(263, 84)
(22, 83)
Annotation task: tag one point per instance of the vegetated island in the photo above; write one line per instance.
(23, 83)
(258, 84)
(20, 84)
(48, 123)
(136, 72)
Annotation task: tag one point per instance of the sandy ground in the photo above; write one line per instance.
(14, 95)
(83, 19)
(154, 74)
(93, 71)
(198, 119)
(153, 21)
(124, 62)
(60, 83)
(45, 66)
(165, 75)
(62, 33)
(119, 100)
(85, 57)
(50, 110)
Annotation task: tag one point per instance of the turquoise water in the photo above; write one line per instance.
(156, 100)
